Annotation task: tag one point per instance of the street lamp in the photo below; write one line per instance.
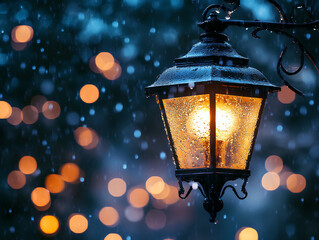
(211, 104)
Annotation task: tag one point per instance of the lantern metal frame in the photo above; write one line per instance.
(214, 67)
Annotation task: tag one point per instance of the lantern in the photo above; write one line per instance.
(211, 104)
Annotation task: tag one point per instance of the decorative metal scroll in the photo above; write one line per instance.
(229, 6)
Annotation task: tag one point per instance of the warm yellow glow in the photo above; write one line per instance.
(225, 123)
(22, 34)
(16, 116)
(188, 119)
(16, 179)
(5, 110)
(51, 109)
(138, 197)
(247, 233)
(104, 61)
(49, 224)
(27, 165)
(198, 123)
(155, 185)
(113, 236)
(89, 93)
(54, 183)
(270, 181)
(30, 114)
(117, 187)
(296, 183)
(274, 164)
(236, 119)
(70, 172)
(78, 223)
(109, 216)
(40, 197)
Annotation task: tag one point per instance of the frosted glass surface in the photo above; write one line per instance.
(188, 119)
(236, 119)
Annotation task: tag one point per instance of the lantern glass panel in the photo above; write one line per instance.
(188, 119)
(236, 120)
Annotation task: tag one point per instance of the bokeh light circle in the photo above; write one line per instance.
(40, 197)
(104, 61)
(89, 93)
(5, 110)
(16, 179)
(270, 181)
(247, 233)
(27, 165)
(296, 183)
(274, 163)
(54, 183)
(51, 109)
(113, 236)
(155, 219)
(155, 185)
(15, 117)
(78, 223)
(49, 224)
(109, 216)
(138, 197)
(117, 187)
(70, 172)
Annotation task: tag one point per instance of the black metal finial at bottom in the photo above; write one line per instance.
(213, 191)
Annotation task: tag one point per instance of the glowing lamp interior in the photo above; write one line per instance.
(189, 121)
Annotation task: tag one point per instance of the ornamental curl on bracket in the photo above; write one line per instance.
(212, 23)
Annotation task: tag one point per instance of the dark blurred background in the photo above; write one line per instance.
(145, 37)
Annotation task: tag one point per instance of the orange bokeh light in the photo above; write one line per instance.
(113, 236)
(117, 187)
(30, 114)
(86, 137)
(172, 196)
(16, 116)
(78, 223)
(49, 224)
(274, 164)
(286, 95)
(270, 181)
(155, 219)
(70, 172)
(155, 185)
(5, 110)
(113, 73)
(104, 61)
(89, 93)
(27, 165)
(109, 216)
(22, 34)
(54, 183)
(164, 194)
(40, 197)
(246, 233)
(296, 183)
(138, 197)
(16, 179)
(51, 109)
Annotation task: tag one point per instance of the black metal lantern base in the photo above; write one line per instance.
(212, 182)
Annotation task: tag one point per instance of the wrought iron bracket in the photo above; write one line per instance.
(214, 26)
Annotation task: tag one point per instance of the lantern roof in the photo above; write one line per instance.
(211, 61)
